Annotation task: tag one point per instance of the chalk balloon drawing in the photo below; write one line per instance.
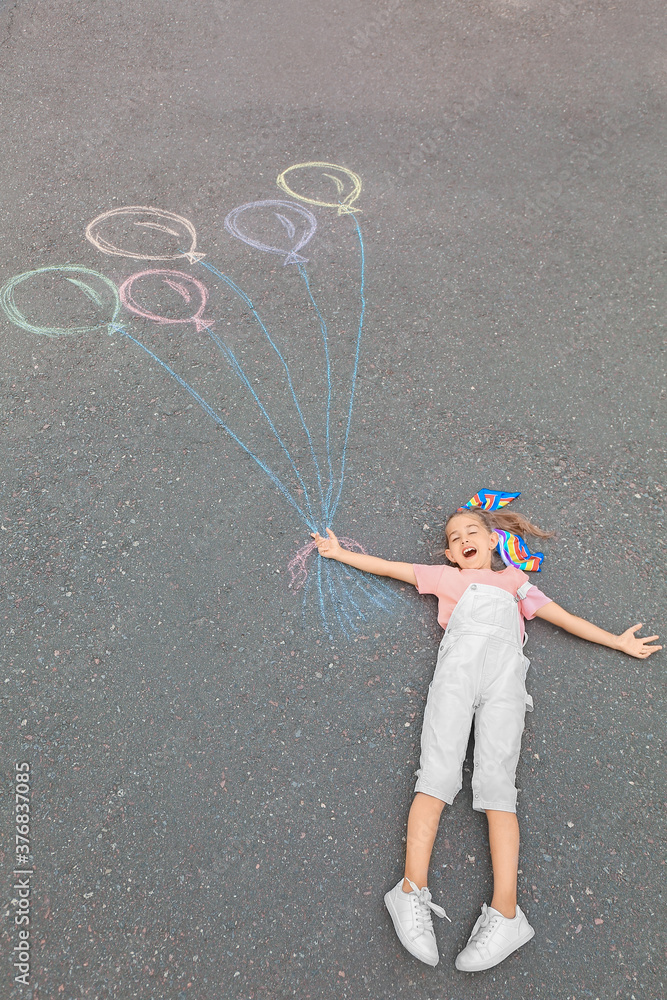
(144, 233)
(294, 223)
(335, 587)
(189, 290)
(99, 301)
(304, 461)
(323, 184)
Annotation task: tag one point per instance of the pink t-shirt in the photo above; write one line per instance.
(449, 583)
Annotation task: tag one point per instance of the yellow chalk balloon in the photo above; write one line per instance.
(346, 183)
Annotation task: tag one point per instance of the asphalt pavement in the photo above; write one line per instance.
(462, 286)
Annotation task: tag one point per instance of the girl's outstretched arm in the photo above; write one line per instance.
(628, 642)
(332, 549)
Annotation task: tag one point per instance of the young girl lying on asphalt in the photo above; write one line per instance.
(480, 672)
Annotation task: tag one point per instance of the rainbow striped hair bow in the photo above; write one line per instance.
(512, 548)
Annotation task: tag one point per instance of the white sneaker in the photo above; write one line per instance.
(411, 913)
(493, 938)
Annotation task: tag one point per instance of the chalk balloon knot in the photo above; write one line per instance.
(193, 257)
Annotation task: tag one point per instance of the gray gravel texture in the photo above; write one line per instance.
(219, 784)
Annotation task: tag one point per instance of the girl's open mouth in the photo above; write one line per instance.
(469, 551)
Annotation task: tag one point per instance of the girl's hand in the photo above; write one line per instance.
(635, 645)
(329, 547)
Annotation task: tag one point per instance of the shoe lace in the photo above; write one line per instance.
(485, 926)
(423, 905)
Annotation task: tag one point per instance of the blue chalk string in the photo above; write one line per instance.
(375, 594)
(320, 593)
(378, 593)
(242, 295)
(343, 590)
(214, 416)
(229, 355)
(305, 599)
(336, 603)
(325, 341)
(348, 594)
(348, 591)
(331, 513)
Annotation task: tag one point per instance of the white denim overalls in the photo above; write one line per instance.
(481, 671)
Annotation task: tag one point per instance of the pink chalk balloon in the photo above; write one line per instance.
(189, 288)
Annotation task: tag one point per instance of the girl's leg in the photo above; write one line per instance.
(422, 827)
(410, 911)
(504, 844)
(495, 937)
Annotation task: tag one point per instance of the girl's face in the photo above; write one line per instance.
(470, 543)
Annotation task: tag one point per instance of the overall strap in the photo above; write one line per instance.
(523, 591)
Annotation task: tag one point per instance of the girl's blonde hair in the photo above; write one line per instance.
(506, 520)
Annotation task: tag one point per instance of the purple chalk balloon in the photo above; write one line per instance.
(297, 234)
